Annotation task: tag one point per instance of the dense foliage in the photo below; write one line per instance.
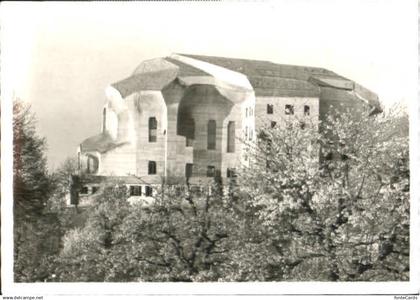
(340, 215)
(326, 202)
(34, 230)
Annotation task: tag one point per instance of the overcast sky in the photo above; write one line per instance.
(63, 55)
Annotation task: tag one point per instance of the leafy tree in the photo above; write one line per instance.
(33, 233)
(30, 176)
(185, 235)
(335, 202)
(68, 216)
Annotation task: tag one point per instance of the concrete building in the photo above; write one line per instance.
(186, 116)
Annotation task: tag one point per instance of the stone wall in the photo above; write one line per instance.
(146, 105)
(177, 154)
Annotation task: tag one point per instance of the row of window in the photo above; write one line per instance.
(250, 135)
(211, 134)
(302, 125)
(289, 109)
(211, 171)
(136, 190)
(211, 128)
(249, 112)
(85, 190)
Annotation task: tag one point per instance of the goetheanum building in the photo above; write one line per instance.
(187, 116)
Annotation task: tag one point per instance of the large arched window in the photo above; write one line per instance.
(104, 120)
(152, 129)
(231, 137)
(211, 135)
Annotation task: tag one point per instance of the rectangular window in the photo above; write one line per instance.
(152, 167)
(246, 132)
(306, 110)
(289, 109)
(149, 191)
(135, 190)
(270, 109)
(246, 112)
(211, 171)
(230, 173)
(190, 132)
(231, 137)
(152, 130)
(211, 135)
(104, 120)
(84, 190)
(188, 170)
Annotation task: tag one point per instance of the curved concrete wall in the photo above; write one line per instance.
(149, 104)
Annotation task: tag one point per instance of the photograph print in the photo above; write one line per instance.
(240, 141)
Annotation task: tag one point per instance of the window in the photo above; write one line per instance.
(104, 120)
(273, 124)
(152, 167)
(135, 190)
(84, 190)
(211, 171)
(152, 129)
(190, 134)
(211, 135)
(289, 109)
(306, 110)
(188, 170)
(230, 173)
(95, 189)
(270, 109)
(251, 134)
(149, 191)
(92, 164)
(246, 132)
(231, 137)
(302, 125)
(246, 112)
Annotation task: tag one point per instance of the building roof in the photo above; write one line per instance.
(266, 78)
(100, 143)
(265, 68)
(155, 80)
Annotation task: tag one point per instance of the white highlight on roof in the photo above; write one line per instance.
(228, 76)
(360, 97)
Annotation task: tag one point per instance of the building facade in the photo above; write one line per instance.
(187, 116)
